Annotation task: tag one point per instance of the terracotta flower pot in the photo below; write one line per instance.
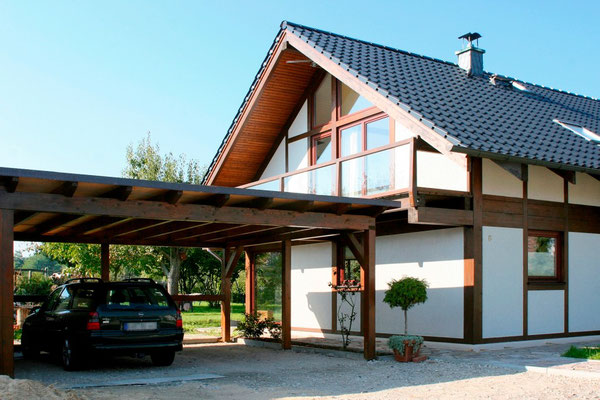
(409, 352)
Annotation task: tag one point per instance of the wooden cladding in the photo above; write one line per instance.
(541, 215)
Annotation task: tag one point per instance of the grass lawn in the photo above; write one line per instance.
(204, 316)
(591, 353)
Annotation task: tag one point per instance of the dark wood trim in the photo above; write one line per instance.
(469, 283)
(6, 293)
(367, 302)
(440, 216)
(513, 168)
(565, 252)
(558, 257)
(232, 261)
(477, 187)
(226, 301)
(569, 176)
(105, 262)
(336, 247)
(250, 282)
(546, 285)
(350, 240)
(524, 226)
(286, 294)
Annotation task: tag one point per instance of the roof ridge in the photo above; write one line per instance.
(284, 24)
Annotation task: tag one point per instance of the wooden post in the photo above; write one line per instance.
(226, 302)
(286, 294)
(105, 261)
(250, 283)
(6, 293)
(367, 302)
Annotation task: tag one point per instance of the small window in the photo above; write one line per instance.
(351, 101)
(83, 299)
(378, 133)
(322, 103)
(64, 299)
(581, 131)
(349, 269)
(544, 256)
(321, 148)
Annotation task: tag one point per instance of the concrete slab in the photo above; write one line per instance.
(142, 381)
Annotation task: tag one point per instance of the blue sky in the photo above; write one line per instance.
(82, 80)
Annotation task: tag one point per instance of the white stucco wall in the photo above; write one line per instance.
(401, 132)
(502, 302)
(436, 256)
(584, 282)
(311, 295)
(544, 184)
(545, 311)
(276, 165)
(435, 170)
(499, 182)
(298, 154)
(585, 191)
(300, 124)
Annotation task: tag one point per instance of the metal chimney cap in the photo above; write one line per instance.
(470, 36)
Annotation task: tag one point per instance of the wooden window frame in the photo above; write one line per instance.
(558, 257)
(341, 268)
(313, 146)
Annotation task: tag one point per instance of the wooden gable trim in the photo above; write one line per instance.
(393, 110)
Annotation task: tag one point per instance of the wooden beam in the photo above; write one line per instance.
(567, 175)
(174, 231)
(105, 261)
(260, 203)
(90, 225)
(170, 196)
(121, 193)
(53, 223)
(367, 302)
(10, 183)
(67, 189)
(227, 235)
(250, 283)
(355, 247)
(440, 216)
(6, 293)
(23, 216)
(286, 294)
(178, 212)
(226, 302)
(282, 234)
(234, 257)
(216, 200)
(127, 227)
(514, 168)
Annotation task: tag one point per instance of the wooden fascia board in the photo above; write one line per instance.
(243, 119)
(440, 216)
(179, 212)
(419, 129)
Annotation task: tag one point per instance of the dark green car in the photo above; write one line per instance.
(87, 316)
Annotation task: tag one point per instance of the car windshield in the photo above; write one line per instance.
(135, 297)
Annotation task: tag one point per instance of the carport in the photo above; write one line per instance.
(43, 206)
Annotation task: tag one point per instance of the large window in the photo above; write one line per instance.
(544, 253)
(351, 102)
(364, 136)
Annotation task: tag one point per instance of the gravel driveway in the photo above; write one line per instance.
(259, 373)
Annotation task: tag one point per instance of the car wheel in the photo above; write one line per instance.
(69, 356)
(163, 358)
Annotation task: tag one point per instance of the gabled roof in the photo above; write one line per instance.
(473, 115)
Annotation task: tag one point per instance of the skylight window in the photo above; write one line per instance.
(520, 86)
(581, 131)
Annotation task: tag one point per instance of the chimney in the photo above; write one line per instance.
(471, 57)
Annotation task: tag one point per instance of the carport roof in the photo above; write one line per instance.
(61, 207)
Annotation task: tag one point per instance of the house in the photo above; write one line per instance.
(497, 182)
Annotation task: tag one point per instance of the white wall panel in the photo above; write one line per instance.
(311, 295)
(436, 256)
(499, 182)
(545, 311)
(502, 286)
(584, 282)
(298, 155)
(276, 165)
(544, 184)
(437, 171)
(586, 190)
(300, 124)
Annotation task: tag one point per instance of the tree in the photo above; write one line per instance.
(146, 162)
(405, 293)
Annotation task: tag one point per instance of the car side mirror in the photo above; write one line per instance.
(34, 310)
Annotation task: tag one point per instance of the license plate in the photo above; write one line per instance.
(140, 326)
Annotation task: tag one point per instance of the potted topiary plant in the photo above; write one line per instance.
(406, 293)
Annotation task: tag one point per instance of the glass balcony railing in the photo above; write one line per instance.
(371, 173)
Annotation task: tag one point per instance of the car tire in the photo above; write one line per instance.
(163, 358)
(69, 356)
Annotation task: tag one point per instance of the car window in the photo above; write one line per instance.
(135, 296)
(64, 299)
(83, 299)
(53, 300)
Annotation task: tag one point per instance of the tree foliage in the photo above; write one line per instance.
(406, 293)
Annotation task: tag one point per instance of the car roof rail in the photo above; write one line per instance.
(83, 280)
(149, 280)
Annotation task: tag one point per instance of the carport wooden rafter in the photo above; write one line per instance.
(55, 207)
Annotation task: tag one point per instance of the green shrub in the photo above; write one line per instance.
(251, 326)
(38, 284)
(405, 293)
(273, 327)
(397, 342)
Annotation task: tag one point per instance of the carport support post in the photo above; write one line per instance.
(286, 294)
(367, 279)
(250, 283)
(105, 261)
(226, 300)
(6, 293)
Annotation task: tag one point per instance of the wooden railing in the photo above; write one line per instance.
(329, 178)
